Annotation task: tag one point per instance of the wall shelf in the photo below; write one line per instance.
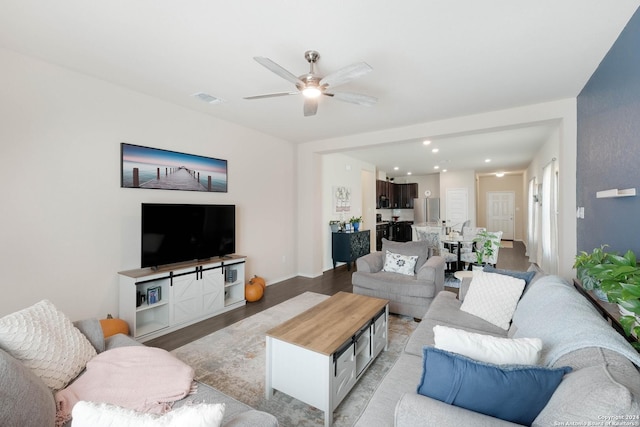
(616, 193)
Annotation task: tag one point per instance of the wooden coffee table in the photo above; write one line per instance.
(318, 356)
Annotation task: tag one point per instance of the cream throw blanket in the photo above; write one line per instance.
(142, 378)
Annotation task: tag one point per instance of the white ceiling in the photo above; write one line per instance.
(431, 59)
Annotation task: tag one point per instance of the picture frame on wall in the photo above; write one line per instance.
(154, 168)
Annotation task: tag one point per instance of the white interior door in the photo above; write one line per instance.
(500, 213)
(457, 207)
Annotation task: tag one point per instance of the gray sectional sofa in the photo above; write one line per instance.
(409, 295)
(602, 389)
(25, 400)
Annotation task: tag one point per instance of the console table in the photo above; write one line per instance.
(347, 247)
(608, 310)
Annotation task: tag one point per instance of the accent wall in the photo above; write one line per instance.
(608, 150)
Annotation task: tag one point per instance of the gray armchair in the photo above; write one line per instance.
(409, 295)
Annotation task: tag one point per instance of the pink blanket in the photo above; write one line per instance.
(145, 379)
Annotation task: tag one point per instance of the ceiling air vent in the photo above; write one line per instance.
(207, 98)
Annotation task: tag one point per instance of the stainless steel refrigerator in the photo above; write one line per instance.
(426, 210)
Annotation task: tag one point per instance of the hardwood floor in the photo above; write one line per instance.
(331, 282)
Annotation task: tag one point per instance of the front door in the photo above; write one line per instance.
(500, 213)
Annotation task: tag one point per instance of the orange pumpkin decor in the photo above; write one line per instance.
(253, 291)
(111, 326)
(260, 281)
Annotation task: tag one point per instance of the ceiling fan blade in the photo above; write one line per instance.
(267, 63)
(354, 98)
(346, 74)
(310, 106)
(271, 95)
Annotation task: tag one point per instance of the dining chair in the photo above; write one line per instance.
(432, 236)
(470, 257)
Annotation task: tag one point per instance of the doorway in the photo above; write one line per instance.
(501, 213)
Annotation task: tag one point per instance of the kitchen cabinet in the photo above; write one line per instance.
(384, 194)
(401, 231)
(382, 232)
(404, 195)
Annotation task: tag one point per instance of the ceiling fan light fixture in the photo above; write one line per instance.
(311, 92)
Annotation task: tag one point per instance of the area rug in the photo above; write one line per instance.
(232, 360)
(450, 281)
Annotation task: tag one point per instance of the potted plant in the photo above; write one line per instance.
(355, 222)
(335, 225)
(616, 279)
(605, 272)
(484, 246)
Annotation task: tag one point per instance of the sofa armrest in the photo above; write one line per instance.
(370, 263)
(433, 271)
(415, 410)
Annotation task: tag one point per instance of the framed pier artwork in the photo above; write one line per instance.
(144, 167)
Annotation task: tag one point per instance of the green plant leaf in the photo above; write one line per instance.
(628, 323)
(630, 291)
(631, 305)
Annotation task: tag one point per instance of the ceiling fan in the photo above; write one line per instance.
(312, 86)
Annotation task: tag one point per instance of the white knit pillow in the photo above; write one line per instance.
(487, 348)
(493, 297)
(89, 414)
(397, 263)
(46, 341)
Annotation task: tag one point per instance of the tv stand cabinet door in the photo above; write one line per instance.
(212, 290)
(186, 298)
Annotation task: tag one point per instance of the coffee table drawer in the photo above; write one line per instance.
(345, 374)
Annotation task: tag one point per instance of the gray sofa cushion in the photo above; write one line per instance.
(395, 284)
(445, 309)
(418, 248)
(423, 335)
(92, 329)
(402, 378)
(415, 410)
(24, 399)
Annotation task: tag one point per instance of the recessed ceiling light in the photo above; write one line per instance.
(436, 167)
(444, 170)
(435, 150)
(487, 160)
(426, 142)
(395, 168)
(207, 98)
(500, 174)
(408, 173)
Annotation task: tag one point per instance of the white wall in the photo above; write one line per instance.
(339, 170)
(66, 226)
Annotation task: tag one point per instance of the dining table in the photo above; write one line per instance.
(454, 243)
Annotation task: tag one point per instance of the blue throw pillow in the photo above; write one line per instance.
(524, 275)
(515, 393)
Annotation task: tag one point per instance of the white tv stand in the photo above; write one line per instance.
(189, 292)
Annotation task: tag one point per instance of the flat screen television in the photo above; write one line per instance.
(174, 233)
